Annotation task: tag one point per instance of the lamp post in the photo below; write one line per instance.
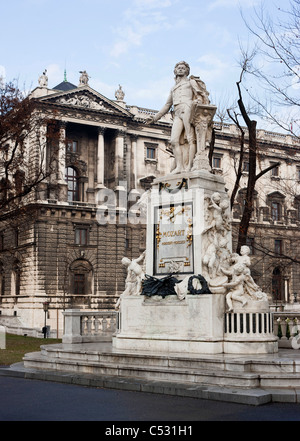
(45, 307)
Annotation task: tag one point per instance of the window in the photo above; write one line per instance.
(16, 278)
(275, 211)
(276, 203)
(216, 162)
(72, 146)
(79, 283)
(250, 244)
(151, 153)
(81, 277)
(246, 166)
(277, 285)
(278, 246)
(72, 181)
(81, 236)
(274, 171)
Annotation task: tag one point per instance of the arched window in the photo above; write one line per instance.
(277, 285)
(72, 181)
(275, 202)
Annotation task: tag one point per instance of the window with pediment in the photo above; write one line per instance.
(277, 285)
(81, 277)
(276, 202)
(151, 152)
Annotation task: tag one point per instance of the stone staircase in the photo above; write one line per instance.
(245, 372)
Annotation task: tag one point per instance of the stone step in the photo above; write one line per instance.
(249, 364)
(138, 371)
(238, 373)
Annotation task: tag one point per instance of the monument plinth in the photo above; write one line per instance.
(189, 292)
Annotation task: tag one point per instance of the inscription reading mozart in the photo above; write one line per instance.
(174, 240)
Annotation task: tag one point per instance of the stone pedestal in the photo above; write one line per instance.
(72, 324)
(192, 325)
(176, 220)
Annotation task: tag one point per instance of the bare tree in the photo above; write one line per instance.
(277, 65)
(252, 153)
(25, 131)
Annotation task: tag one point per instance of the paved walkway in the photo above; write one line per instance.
(242, 396)
(32, 400)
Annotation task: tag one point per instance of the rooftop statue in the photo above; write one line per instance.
(43, 79)
(84, 78)
(119, 94)
(192, 116)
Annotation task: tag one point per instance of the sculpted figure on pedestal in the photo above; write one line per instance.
(242, 287)
(186, 93)
(84, 78)
(135, 275)
(215, 239)
(43, 79)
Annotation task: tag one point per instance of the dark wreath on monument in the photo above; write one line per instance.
(153, 286)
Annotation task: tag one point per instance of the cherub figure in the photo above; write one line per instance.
(236, 286)
(217, 207)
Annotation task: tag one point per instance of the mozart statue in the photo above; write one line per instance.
(187, 92)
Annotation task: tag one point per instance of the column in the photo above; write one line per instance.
(286, 290)
(119, 156)
(120, 183)
(100, 158)
(134, 159)
(43, 149)
(62, 154)
(42, 168)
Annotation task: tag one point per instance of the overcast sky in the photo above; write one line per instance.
(135, 43)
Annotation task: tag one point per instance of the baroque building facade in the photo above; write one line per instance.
(80, 222)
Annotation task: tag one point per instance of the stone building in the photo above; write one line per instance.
(67, 249)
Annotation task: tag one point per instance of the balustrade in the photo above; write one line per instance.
(248, 325)
(287, 328)
(85, 327)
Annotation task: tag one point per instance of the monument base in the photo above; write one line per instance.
(244, 346)
(168, 345)
(249, 332)
(192, 325)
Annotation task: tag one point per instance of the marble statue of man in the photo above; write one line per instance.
(182, 95)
